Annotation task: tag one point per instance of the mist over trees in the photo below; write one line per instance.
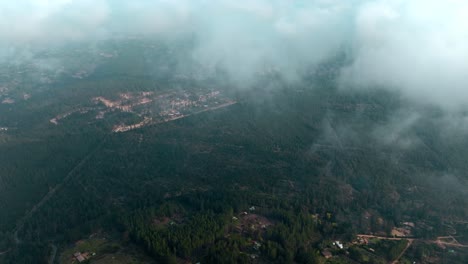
(227, 131)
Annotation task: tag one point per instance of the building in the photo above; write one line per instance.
(338, 244)
(79, 257)
(327, 254)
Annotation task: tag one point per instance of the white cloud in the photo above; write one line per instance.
(49, 21)
(419, 47)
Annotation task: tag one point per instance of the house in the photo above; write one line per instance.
(327, 254)
(401, 231)
(409, 224)
(338, 244)
(257, 245)
(79, 257)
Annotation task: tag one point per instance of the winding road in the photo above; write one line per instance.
(439, 241)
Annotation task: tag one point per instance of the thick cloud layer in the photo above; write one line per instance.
(419, 47)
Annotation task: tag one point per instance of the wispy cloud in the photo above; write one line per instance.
(419, 47)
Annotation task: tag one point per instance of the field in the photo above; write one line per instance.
(103, 249)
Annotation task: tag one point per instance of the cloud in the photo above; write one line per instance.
(418, 47)
(151, 17)
(248, 37)
(398, 132)
(50, 21)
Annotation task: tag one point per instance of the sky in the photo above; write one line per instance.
(416, 47)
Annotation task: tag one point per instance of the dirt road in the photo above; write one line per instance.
(410, 242)
(439, 241)
(53, 254)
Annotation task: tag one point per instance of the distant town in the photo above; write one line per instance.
(152, 108)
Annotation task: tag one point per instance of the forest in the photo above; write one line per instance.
(278, 177)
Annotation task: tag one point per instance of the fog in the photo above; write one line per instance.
(416, 47)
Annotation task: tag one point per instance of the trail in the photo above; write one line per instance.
(195, 113)
(410, 242)
(383, 237)
(4, 252)
(50, 194)
(454, 243)
(438, 241)
(53, 254)
(335, 134)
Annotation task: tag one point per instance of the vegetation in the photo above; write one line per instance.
(276, 178)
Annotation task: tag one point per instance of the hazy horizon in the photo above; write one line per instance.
(419, 48)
